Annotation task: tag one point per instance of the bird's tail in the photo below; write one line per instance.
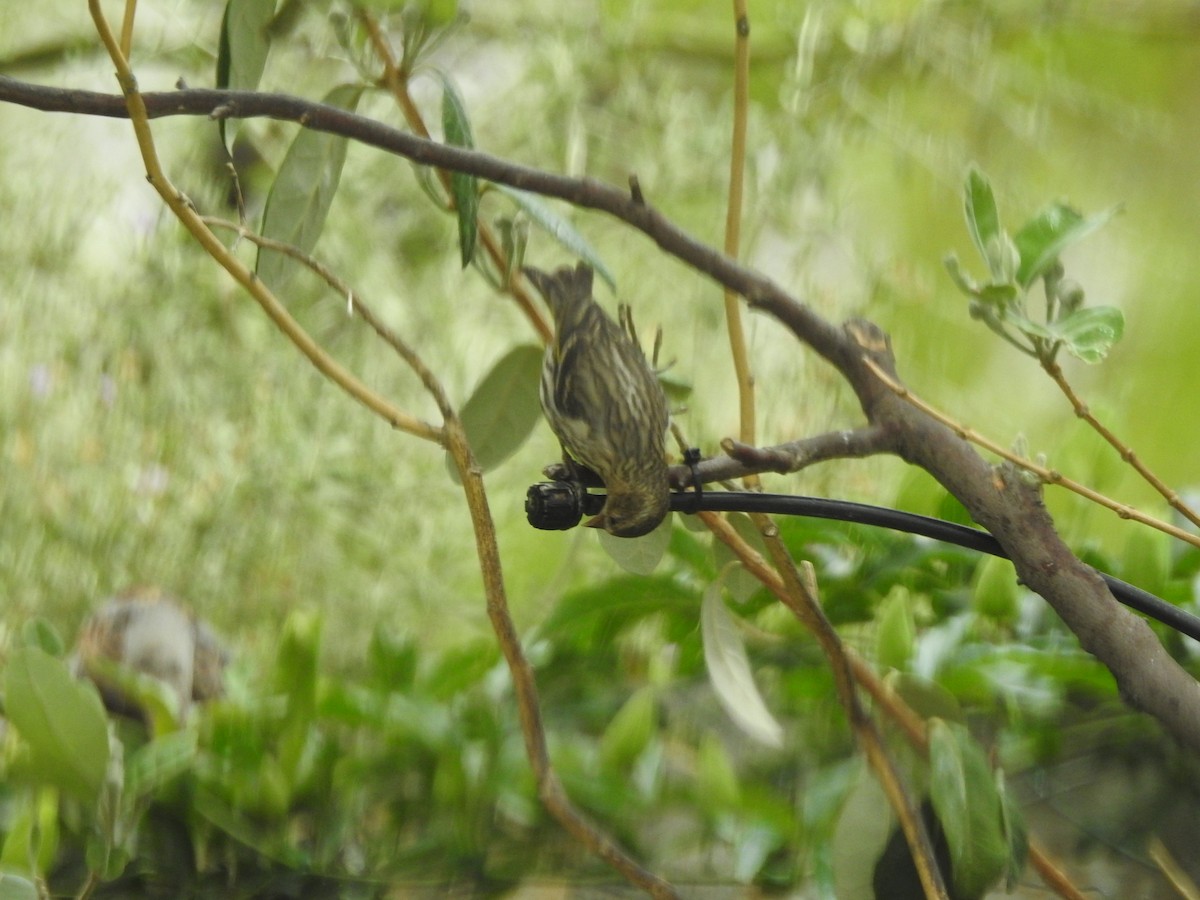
(563, 290)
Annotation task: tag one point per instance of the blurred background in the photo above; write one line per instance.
(156, 429)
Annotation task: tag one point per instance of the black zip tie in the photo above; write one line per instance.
(691, 459)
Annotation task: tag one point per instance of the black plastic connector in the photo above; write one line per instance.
(559, 505)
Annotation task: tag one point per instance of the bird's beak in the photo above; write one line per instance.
(596, 522)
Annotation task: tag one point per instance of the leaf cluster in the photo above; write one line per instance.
(1016, 262)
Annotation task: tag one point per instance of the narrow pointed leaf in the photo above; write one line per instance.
(983, 217)
(161, 704)
(859, 837)
(729, 671)
(30, 844)
(38, 632)
(895, 629)
(559, 228)
(463, 188)
(1013, 827)
(243, 47)
(302, 193)
(716, 776)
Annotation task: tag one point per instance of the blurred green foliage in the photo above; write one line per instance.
(154, 428)
(413, 771)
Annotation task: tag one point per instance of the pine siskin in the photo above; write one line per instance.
(605, 404)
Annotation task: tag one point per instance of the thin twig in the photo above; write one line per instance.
(127, 28)
(1127, 455)
(747, 427)
(1172, 870)
(1046, 474)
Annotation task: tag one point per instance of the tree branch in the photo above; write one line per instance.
(741, 459)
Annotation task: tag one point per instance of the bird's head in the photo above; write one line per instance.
(628, 513)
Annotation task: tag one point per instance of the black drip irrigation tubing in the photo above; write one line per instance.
(864, 514)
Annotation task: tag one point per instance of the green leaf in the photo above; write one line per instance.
(967, 803)
(302, 193)
(859, 836)
(439, 13)
(38, 632)
(740, 583)
(1000, 296)
(393, 658)
(630, 729)
(157, 763)
(1088, 334)
(716, 777)
(677, 388)
(31, 833)
(1003, 260)
(62, 720)
(504, 408)
(983, 217)
(926, 698)
(13, 887)
(729, 671)
(297, 676)
(1027, 326)
(558, 228)
(109, 845)
(458, 669)
(243, 47)
(994, 593)
(1013, 826)
(959, 276)
(158, 700)
(463, 188)
(1043, 238)
(640, 555)
(514, 238)
(296, 666)
(895, 629)
(586, 619)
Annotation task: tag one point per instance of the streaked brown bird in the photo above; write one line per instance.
(604, 403)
